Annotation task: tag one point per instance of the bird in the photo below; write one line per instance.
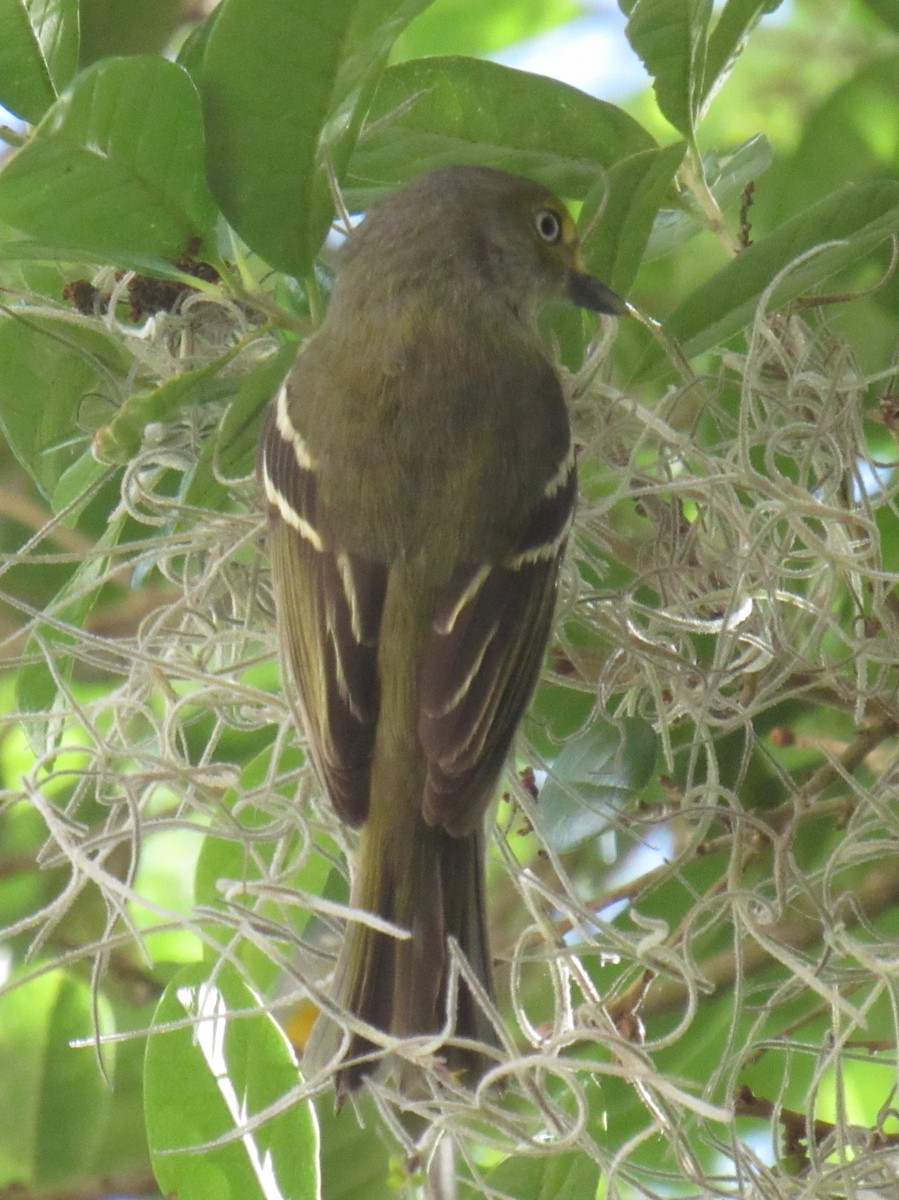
(418, 471)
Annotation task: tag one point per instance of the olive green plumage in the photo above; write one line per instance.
(420, 482)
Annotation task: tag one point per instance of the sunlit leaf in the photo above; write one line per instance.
(209, 1079)
(115, 166)
(670, 37)
(38, 53)
(733, 25)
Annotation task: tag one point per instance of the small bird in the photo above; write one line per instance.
(420, 481)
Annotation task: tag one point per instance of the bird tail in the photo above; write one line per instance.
(431, 885)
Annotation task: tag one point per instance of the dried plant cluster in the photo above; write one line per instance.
(727, 586)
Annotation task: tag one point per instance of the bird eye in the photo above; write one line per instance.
(549, 225)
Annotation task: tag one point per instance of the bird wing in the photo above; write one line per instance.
(330, 605)
(483, 656)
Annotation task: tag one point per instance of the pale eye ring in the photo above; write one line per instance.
(549, 225)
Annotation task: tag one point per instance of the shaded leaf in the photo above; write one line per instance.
(112, 27)
(604, 767)
(886, 10)
(356, 1164)
(437, 111)
(630, 198)
(670, 37)
(473, 27)
(45, 1079)
(726, 175)
(545, 1177)
(858, 218)
(50, 367)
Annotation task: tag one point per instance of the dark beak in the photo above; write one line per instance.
(587, 292)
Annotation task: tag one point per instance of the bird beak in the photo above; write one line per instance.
(587, 292)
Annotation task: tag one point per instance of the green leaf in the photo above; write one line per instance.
(120, 440)
(115, 167)
(238, 434)
(46, 1081)
(437, 111)
(858, 218)
(209, 1079)
(670, 37)
(547, 1177)
(852, 136)
(231, 454)
(630, 198)
(77, 483)
(193, 48)
(50, 366)
(38, 53)
(285, 84)
(604, 767)
(886, 10)
(733, 26)
(36, 686)
(726, 176)
(113, 27)
(26, 250)
(355, 1160)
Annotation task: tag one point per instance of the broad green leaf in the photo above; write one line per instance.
(115, 168)
(124, 1145)
(50, 367)
(628, 201)
(46, 1081)
(223, 861)
(670, 37)
(604, 767)
(556, 714)
(438, 111)
(113, 27)
(858, 218)
(38, 53)
(285, 84)
(209, 1079)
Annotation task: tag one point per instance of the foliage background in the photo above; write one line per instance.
(718, 721)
